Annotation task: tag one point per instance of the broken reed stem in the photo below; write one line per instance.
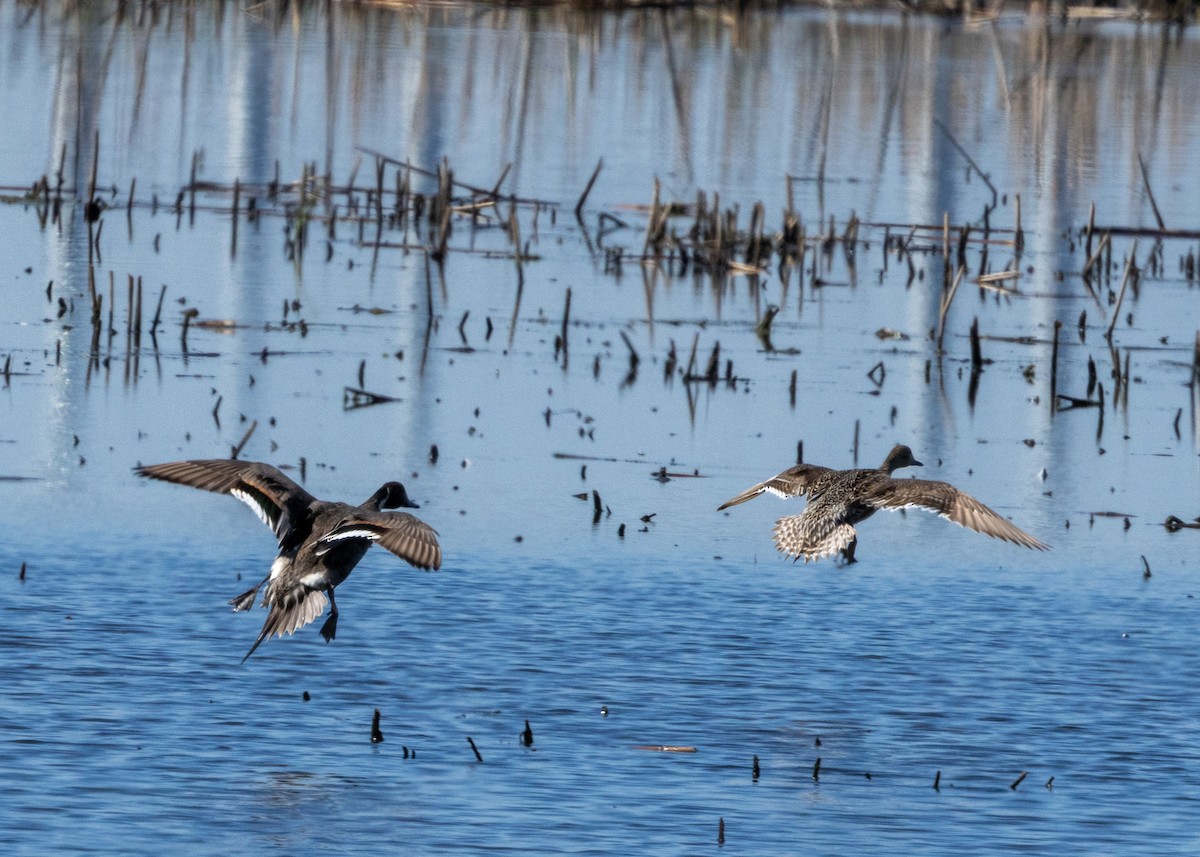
(1196, 361)
(652, 221)
(1054, 368)
(192, 190)
(946, 245)
(947, 299)
(1095, 257)
(157, 312)
(566, 320)
(237, 450)
(1091, 228)
(137, 319)
(1150, 193)
(1019, 236)
(237, 195)
(968, 158)
(588, 189)
(91, 192)
(1129, 267)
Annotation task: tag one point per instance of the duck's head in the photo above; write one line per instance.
(391, 495)
(900, 456)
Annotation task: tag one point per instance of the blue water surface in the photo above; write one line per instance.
(946, 694)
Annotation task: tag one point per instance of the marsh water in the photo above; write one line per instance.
(1051, 698)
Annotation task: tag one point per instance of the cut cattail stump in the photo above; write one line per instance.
(527, 735)
(376, 734)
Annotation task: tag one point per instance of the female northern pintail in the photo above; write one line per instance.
(839, 499)
(320, 542)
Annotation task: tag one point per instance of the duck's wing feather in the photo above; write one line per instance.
(276, 499)
(945, 500)
(407, 537)
(793, 482)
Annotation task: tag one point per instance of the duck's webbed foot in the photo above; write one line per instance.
(246, 600)
(329, 629)
(848, 552)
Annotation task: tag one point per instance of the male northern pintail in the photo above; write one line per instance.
(839, 499)
(320, 542)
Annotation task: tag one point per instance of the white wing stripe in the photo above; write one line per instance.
(251, 501)
(352, 533)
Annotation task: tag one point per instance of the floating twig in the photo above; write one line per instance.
(355, 397)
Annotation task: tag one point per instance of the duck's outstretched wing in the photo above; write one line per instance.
(406, 536)
(279, 502)
(793, 482)
(945, 500)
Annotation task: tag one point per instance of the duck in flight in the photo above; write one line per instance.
(839, 499)
(320, 542)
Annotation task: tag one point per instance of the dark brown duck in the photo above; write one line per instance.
(320, 541)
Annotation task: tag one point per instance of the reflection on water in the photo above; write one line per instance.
(939, 651)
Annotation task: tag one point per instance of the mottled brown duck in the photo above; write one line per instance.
(839, 499)
(320, 542)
